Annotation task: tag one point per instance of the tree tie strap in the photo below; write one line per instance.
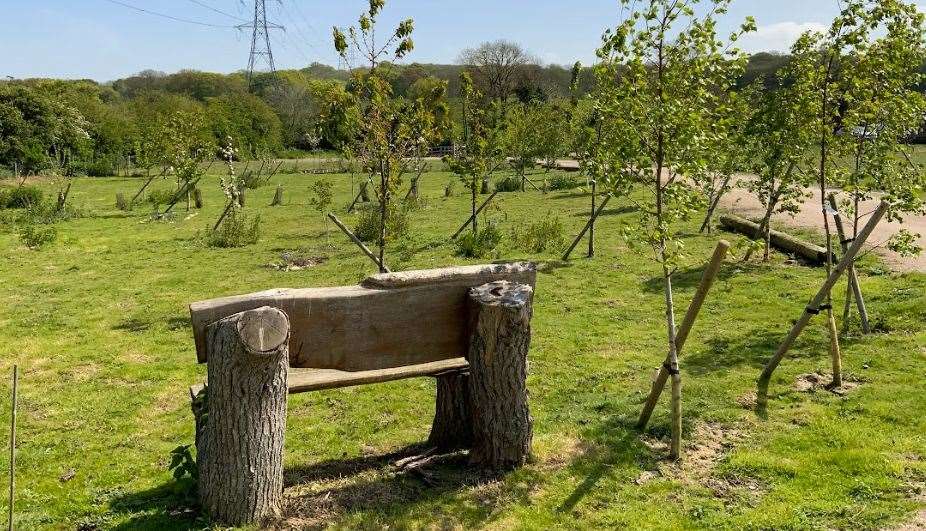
(669, 369)
(847, 241)
(816, 311)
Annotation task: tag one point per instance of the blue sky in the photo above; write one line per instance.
(104, 41)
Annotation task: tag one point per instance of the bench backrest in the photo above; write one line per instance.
(390, 320)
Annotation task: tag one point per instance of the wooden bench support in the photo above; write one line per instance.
(453, 424)
(500, 334)
(240, 452)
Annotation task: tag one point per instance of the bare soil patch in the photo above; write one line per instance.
(815, 381)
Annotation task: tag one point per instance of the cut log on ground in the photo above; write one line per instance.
(813, 253)
(500, 334)
(241, 452)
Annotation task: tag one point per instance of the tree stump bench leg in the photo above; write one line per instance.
(453, 425)
(240, 443)
(500, 334)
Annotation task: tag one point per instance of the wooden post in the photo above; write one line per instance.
(361, 195)
(277, 196)
(366, 250)
(453, 425)
(13, 445)
(198, 198)
(500, 334)
(814, 307)
(853, 276)
(707, 281)
(241, 457)
(591, 228)
(588, 225)
(474, 215)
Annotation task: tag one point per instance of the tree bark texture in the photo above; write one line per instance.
(453, 424)
(241, 452)
(500, 333)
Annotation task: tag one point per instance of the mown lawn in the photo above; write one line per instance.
(98, 323)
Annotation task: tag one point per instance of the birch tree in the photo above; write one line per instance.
(660, 73)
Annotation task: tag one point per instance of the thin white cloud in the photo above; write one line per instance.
(777, 37)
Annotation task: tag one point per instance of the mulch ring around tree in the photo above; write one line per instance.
(817, 381)
(293, 262)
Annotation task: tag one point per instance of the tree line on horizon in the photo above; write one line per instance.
(92, 128)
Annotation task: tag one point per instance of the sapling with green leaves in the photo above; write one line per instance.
(828, 69)
(661, 72)
(390, 130)
(481, 153)
(732, 115)
(187, 145)
(778, 137)
(521, 141)
(322, 199)
(882, 107)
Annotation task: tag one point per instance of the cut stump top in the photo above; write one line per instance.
(263, 330)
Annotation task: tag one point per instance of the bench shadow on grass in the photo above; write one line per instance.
(322, 493)
(373, 487)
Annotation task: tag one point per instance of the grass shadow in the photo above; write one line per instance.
(133, 325)
(166, 506)
(374, 485)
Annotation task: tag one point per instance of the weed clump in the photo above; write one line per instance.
(545, 235)
(480, 244)
(21, 197)
(370, 223)
(36, 237)
(508, 184)
(237, 230)
(561, 181)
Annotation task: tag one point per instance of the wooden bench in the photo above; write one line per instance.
(467, 326)
(392, 327)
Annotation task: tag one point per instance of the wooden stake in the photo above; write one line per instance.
(588, 225)
(13, 445)
(853, 277)
(366, 250)
(814, 307)
(591, 229)
(470, 219)
(707, 280)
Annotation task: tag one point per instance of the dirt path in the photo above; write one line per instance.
(742, 203)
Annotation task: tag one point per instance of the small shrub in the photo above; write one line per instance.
(561, 181)
(449, 188)
(370, 221)
(160, 197)
(544, 235)
(35, 237)
(100, 168)
(237, 230)
(21, 197)
(508, 184)
(47, 212)
(481, 244)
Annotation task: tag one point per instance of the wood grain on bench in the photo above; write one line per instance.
(392, 321)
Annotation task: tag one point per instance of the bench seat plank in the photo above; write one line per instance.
(307, 380)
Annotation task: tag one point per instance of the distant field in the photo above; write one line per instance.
(98, 323)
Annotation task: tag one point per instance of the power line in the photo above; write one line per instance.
(216, 10)
(169, 17)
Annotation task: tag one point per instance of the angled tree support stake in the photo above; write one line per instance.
(470, 219)
(707, 280)
(853, 277)
(588, 226)
(366, 250)
(814, 307)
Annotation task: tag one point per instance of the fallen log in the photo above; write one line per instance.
(782, 241)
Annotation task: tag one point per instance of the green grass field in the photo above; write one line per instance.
(98, 323)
